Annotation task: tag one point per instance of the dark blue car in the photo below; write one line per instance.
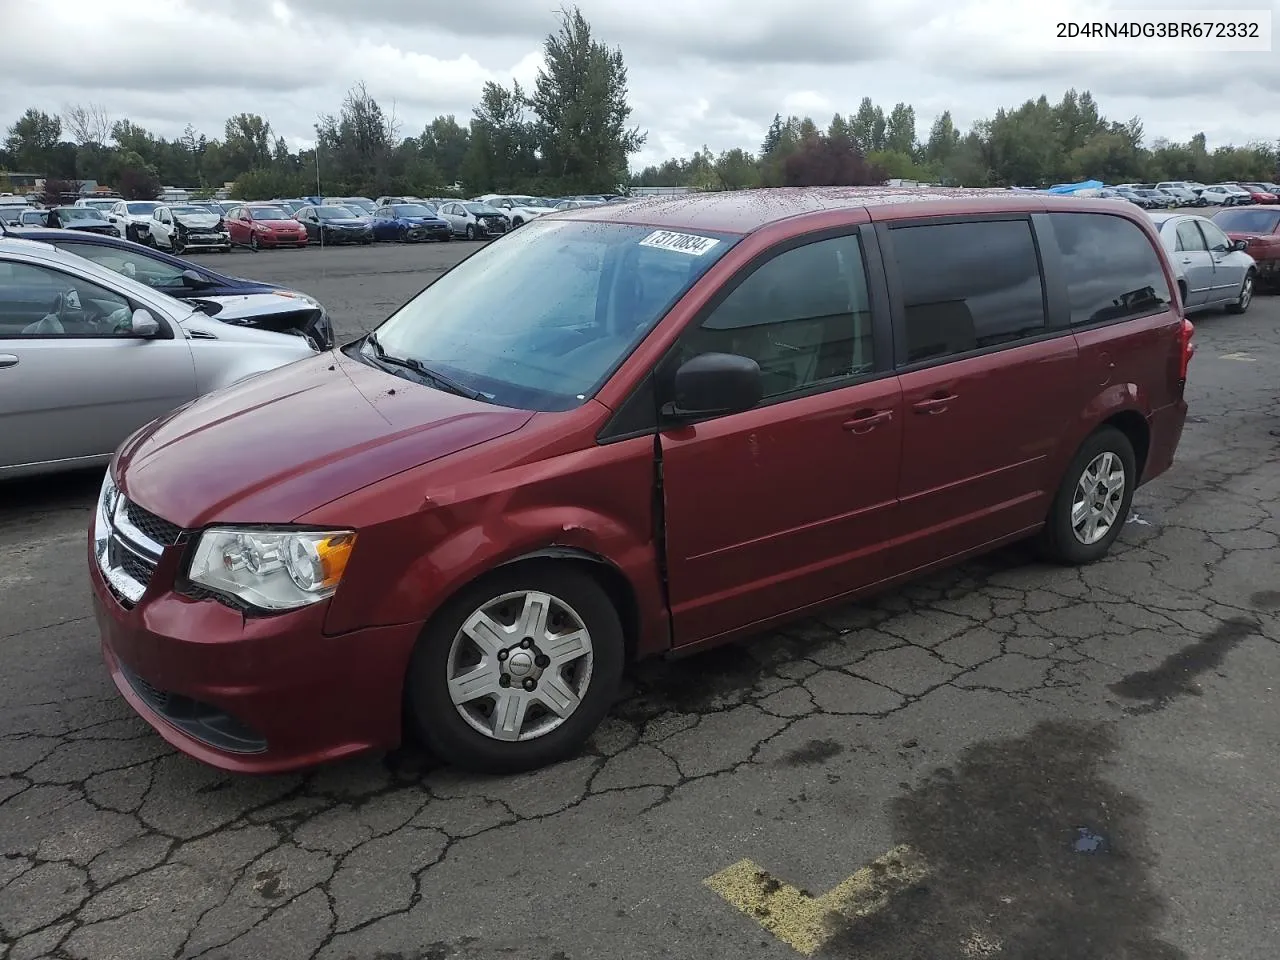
(175, 276)
(409, 222)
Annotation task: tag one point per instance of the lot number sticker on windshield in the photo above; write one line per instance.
(688, 243)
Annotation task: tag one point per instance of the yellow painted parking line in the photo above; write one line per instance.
(804, 922)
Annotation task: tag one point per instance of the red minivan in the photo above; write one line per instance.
(623, 431)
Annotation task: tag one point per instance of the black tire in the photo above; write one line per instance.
(176, 244)
(439, 723)
(1059, 542)
(471, 231)
(254, 245)
(1242, 302)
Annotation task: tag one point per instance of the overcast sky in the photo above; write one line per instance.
(712, 72)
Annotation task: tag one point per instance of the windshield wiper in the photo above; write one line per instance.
(438, 380)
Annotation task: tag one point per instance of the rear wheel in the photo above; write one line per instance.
(1241, 303)
(1092, 502)
(517, 670)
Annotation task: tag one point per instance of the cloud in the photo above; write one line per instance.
(711, 73)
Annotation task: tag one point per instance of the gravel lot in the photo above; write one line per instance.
(1082, 763)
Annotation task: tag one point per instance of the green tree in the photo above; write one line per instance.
(944, 139)
(868, 127)
(500, 153)
(580, 99)
(900, 130)
(444, 145)
(32, 139)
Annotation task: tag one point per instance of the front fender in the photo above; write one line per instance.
(428, 579)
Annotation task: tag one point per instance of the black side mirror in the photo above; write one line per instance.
(715, 383)
(194, 280)
(1237, 245)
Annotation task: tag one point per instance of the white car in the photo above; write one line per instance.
(102, 204)
(1225, 195)
(519, 209)
(132, 218)
(185, 226)
(88, 356)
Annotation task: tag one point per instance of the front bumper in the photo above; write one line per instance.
(250, 694)
(196, 241)
(297, 239)
(346, 236)
(424, 231)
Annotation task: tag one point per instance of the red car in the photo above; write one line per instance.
(628, 431)
(256, 225)
(1259, 230)
(1260, 192)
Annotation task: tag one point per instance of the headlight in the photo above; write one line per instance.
(272, 569)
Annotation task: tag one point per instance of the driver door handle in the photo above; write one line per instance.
(8, 360)
(866, 420)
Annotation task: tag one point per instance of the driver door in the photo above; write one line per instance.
(795, 501)
(77, 393)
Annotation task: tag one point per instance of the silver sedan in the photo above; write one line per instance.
(88, 356)
(1213, 270)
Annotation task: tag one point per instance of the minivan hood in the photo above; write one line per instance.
(283, 443)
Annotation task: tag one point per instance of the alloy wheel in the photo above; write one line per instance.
(1099, 494)
(520, 665)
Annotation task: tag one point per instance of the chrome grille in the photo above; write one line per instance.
(161, 531)
(128, 544)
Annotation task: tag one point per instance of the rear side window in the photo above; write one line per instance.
(966, 286)
(1112, 270)
(1189, 237)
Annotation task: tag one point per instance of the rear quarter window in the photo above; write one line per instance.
(1111, 269)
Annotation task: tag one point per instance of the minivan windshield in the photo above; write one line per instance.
(539, 319)
(1248, 221)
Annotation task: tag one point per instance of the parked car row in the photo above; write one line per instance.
(1169, 194)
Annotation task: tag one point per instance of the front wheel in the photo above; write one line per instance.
(254, 245)
(176, 244)
(471, 231)
(1241, 303)
(1092, 503)
(517, 670)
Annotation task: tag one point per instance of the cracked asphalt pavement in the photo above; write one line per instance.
(1086, 757)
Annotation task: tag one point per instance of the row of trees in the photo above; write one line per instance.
(1037, 144)
(571, 134)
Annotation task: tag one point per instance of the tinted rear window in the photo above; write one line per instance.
(966, 286)
(1112, 270)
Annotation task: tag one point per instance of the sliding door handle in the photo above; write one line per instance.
(934, 404)
(866, 420)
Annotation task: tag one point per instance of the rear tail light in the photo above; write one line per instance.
(1188, 348)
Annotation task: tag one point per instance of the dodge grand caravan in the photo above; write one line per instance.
(623, 431)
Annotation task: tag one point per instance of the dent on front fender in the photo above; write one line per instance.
(404, 568)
